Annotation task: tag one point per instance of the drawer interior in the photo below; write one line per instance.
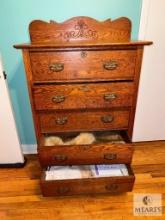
(85, 171)
(69, 180)
(83, 138)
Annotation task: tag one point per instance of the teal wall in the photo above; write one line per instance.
(15, 15)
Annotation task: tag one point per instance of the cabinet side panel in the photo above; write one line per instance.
(136, 83)
(28, 70)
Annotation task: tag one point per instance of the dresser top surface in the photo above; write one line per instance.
(82, 45)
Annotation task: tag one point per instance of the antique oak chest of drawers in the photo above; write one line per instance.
(83, 76)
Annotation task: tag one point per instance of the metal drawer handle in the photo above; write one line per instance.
(58, 98)
(110, 65)
(110, 156)
(61, 121)
(110, 96)
(63, 189)
(112, 187)
(107, 118)
(56, 67)
(60, 157)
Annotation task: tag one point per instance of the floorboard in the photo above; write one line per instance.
(21, 199)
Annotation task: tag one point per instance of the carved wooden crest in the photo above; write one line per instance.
(82, 29)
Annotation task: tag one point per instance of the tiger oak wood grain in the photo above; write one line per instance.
(69, 121)
(136, 81)
(87, 185)
(83, 96)
(28, 69)
(76, 46)
(85, 154)
(84, 29)
(63, 56)
(78, 66)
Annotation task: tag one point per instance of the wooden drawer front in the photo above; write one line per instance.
(87, 186)
(83, 121)
(83, 65)
(102, 95)
(85, 154)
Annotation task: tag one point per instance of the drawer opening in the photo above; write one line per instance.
(86, 171)
(105, 148)
(83, 138)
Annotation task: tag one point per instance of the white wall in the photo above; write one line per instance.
(150, 114)
(10, 150)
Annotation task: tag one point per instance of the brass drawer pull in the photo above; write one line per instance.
(61, 121)
(63, 189)
(110, 156)
(56, 67)
(60, 157)
(107, 118)
(58, 98)
(110, 96)
(110, 65)
(112, 187)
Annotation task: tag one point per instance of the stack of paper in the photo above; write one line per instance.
(85, 171)
(110, 170)
(68, 172)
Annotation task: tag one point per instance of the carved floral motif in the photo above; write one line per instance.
(81, 31)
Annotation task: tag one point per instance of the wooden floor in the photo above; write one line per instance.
(20, 197)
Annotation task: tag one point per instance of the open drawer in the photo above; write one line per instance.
(88, 184)
(99, 152)
(85, 154)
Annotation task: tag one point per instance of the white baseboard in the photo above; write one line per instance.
(29, 148)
